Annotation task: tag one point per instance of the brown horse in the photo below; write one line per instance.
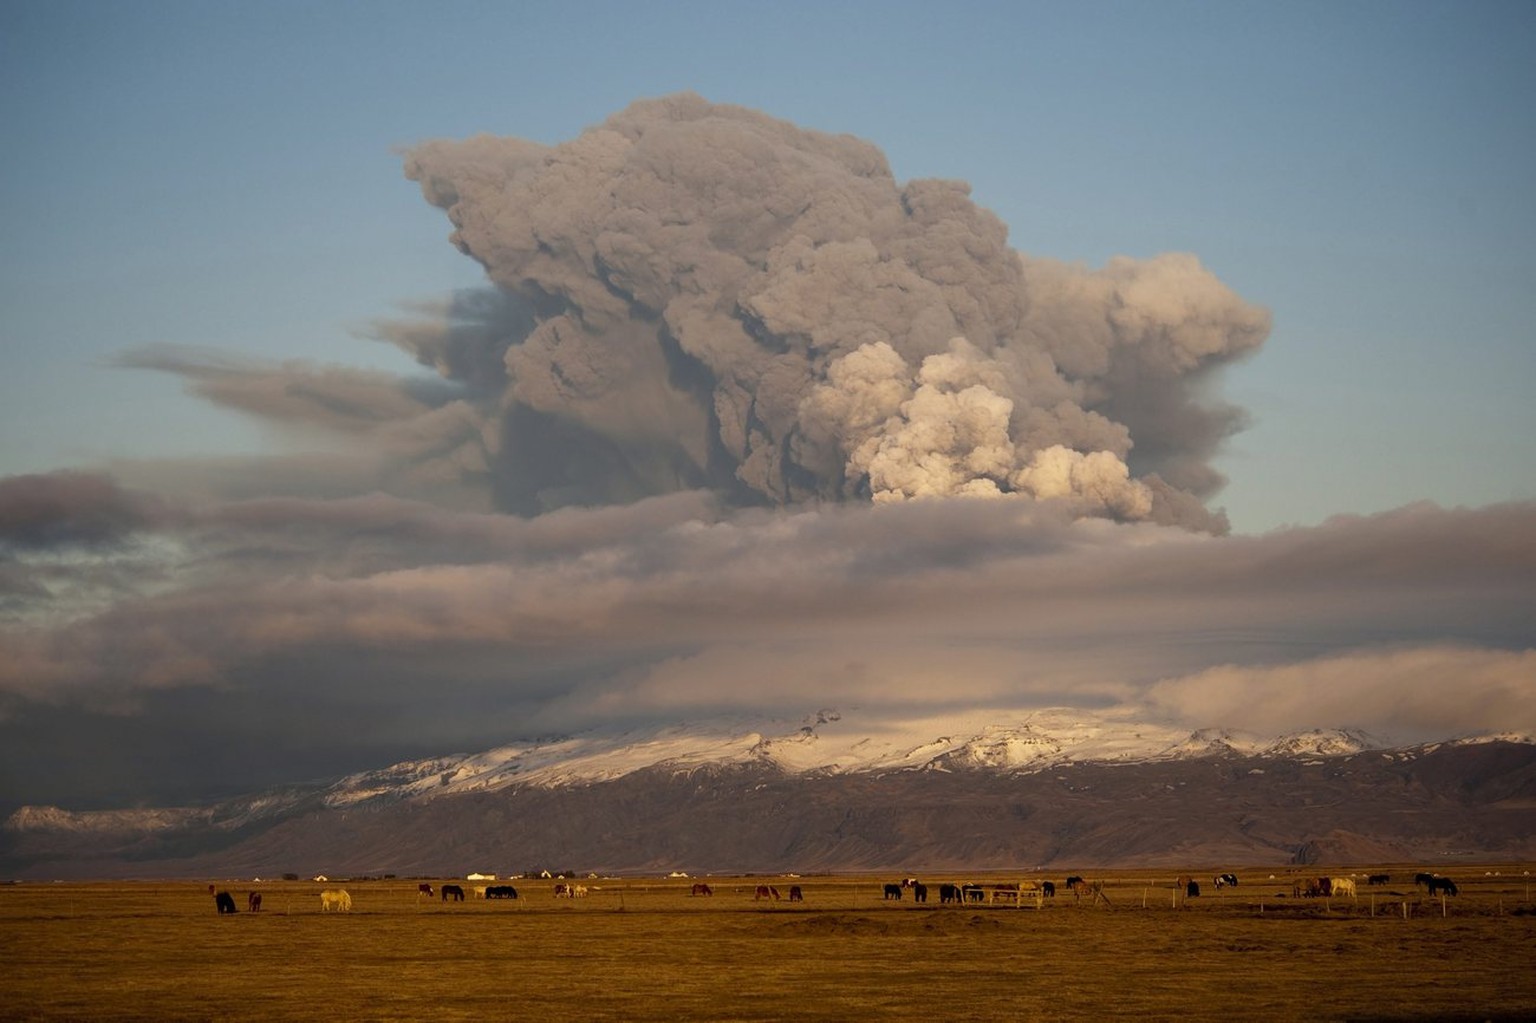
(253, 902)
(702, 889)
(424, 889)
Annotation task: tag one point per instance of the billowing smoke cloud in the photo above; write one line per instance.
(700, 296)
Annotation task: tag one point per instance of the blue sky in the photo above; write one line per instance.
(226, 175)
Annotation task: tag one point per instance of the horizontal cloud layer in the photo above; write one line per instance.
(394, 612)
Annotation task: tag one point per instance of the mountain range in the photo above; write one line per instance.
(1054, 789)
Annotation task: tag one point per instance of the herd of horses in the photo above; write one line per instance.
(1339, 887)
(338, 900)
(1017, 892)
(1014, 892)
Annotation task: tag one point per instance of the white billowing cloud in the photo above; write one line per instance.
(1097, 482)
(948, 438)
(946, 432)
(1432, 692)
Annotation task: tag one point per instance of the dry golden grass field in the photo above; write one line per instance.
(645, 949)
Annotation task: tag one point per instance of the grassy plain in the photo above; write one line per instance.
(645, 949)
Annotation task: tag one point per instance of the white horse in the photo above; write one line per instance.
(337, 899)
(1344, 886)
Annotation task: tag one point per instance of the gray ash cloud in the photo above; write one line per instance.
(692, 295)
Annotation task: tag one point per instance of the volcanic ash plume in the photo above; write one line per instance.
(703, 296)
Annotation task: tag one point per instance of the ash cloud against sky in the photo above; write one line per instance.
(711, 441)
(715, 298)
(696, 296)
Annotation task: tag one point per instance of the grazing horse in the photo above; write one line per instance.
(253, 902)
(892, 891)
(702, 889)
(501, 891)
(949, 893)
(1048, 889)
(222, 901)
(1375, 879)
(973, 892)
(424, 889)
(1094, 890)
(919, 893)
(1312, 888)
(1442, 884)
(452, 891)
(795, 894)
(1004, 892)
(1342, 886)
(1225, 881)
(1421, 880)
(335, 899)
(565, 891)
(765, 891)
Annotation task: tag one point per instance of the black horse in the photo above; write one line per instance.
(1442, 884)
(452, 891)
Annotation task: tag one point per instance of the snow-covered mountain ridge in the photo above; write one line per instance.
(826, 742)
(829, 742)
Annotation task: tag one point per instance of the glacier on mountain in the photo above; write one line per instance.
(824, 742)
